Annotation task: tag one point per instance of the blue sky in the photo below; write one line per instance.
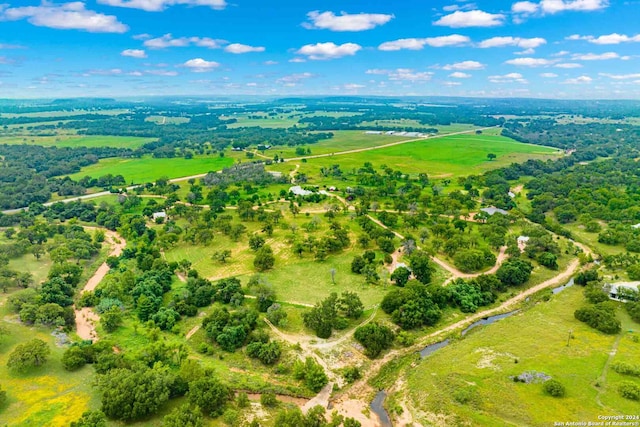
(537, 48)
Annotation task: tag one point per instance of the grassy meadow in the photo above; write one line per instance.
(147, 169)
(73, 140)
(469, 382)
(449, 156)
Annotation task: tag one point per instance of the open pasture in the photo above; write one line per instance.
(471, 379)
(450, 156)
(73, 140)
(147, 169)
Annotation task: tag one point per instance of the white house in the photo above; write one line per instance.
(157, 215)
(491, 211)
(299, 191)
(620, 290)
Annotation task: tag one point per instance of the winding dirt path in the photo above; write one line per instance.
(86, 318)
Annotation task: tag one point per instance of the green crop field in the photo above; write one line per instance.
(72, 140)
(342, 140)
(148, 169)
(448, 156)
(470, 380)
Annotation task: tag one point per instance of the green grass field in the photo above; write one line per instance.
(468, 382)
(148, 169)
(342, 140)
(440, 157)
(72, 140)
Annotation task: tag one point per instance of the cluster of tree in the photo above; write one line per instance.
(51, 303)
(242, 173)
(334, 241)
(412, 306)
(374, 337)
(600, 316)
(315, 417)
(333, 312)
(263, 349)
(230, 330)
(311, 373)
(28, 169)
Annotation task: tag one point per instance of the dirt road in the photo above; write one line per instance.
(86, 318)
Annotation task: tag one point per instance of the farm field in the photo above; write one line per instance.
(477, 388)
(148, 169)
(455, 155)
(72, 140)
(342, 140)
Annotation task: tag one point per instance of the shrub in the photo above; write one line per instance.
(268, 399)
(553, 388)
(629, 390)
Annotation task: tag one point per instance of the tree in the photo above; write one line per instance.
(514, 272)
(312, 374)
(127, 395)
(554, 388)
(28, 355)
(358, 264)
(401, 276)
(491, 156)
(420, 263)
(74, 358)
(256, 242)
(374, 338)
(264, 259)
(600, 316)
(184, 416)
(351, 305)
(111, 319)
(91, 419)
(221, 256)
(209, 394)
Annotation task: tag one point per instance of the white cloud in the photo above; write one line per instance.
(555, 6)
(298, 60)
(238, 48)
(523, 43)
(10, 46)
(578, 80)
(508, 78)
(614, 38)
(160, 5)
(529, 62)
(65, 16)
(548, 75)
(199, 65)
(134, 53)
(164, 73)
(330, 50)
(568, 65)
(270, 62)
(472, 18)
(621, 76)
(524, 7)
(595, 56)
(459, 75)
(561, 53)
(352, 86)
(451, 84)
(417, 44)
(294, 79)
(464, 65)
(345, 21)
(169, 41)
(403, 74)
